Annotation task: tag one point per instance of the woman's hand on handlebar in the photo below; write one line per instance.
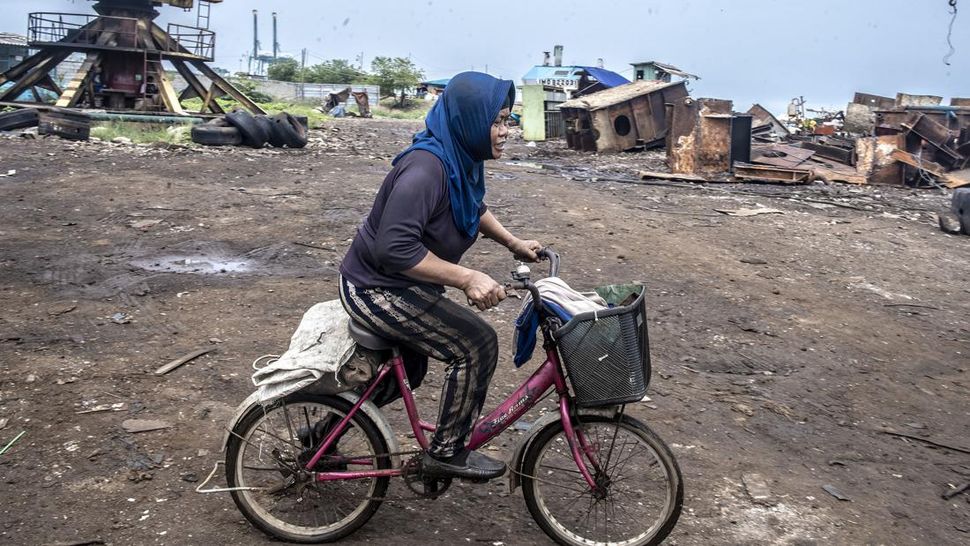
(482, 291)
(525, 250)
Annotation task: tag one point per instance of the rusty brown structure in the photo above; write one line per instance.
(621, 118)
(125, 53)
(706, 137)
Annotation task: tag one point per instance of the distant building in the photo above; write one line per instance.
(13, 49)
(545, 87)
(432, 88)
(656, 71)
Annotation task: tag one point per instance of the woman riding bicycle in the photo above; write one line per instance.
(427, 214)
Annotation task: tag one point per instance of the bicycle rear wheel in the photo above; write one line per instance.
(639, 487)
(268, 450)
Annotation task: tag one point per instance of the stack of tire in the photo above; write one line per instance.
(240, 128)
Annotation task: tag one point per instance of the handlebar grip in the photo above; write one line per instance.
(549, 254)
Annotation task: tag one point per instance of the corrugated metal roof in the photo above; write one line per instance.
(437, 83)
(11, 39)
(617, 95)
(605, 77)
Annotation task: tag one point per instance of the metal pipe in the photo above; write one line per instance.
(557, 53)
(255, 34)
(144, 118)
(276, 43)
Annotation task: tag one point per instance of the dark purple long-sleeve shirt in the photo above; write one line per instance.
(410, 217)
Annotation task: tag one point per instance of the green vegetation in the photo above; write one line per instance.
(394, 74)
(389, 108)
(142, 133)
(333, 71)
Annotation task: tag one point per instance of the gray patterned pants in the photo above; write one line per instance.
(428, 323)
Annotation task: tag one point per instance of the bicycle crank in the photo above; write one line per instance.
(424, 487)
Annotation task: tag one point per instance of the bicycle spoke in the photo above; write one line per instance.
(632, 501)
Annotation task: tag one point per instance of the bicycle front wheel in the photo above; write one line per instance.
(639, 490)
(266, 457)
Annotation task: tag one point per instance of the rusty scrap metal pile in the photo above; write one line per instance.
(910, 140)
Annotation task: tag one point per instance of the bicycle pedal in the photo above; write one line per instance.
(474, 481)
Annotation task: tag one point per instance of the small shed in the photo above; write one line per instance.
(657, 71)
(13, 49)
(621, 118)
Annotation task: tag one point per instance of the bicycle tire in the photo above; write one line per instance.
(259, 516)
(531, 483)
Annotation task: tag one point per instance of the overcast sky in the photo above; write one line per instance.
(750, 51)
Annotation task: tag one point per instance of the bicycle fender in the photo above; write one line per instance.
(241, 409)
(368, 407)
(522, 446)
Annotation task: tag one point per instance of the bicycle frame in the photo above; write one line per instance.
(548, 375)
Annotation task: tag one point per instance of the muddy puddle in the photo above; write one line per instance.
(194, 265)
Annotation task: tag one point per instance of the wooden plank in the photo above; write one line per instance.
(75, 89)
(167, 91)
(182, 360)
(647, 175)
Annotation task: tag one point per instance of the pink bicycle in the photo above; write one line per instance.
(314, 468)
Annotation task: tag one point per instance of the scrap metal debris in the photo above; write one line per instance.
(144, 425)
(182, 360)
(831, 490)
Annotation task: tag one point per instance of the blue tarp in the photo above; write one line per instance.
(605, 77)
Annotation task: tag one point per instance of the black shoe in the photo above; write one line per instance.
(469, 465)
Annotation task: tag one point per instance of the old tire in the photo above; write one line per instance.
(294, 514)
(220, 121)
(214, 135)
(253, 133)
(288, 131)
(19, 119)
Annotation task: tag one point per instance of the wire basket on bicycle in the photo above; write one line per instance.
(606, 353)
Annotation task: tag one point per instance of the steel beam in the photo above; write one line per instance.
(39, 72)
(228, 87)
(75, 89)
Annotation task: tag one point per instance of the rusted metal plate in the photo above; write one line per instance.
(781, 155)
(748, 171)
(874, 101)
(935, 134)
(828, 151)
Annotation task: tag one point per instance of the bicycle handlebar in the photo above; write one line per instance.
(549, 254)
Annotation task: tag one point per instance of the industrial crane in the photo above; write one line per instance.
(125, 53)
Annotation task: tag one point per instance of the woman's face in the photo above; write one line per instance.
(500, 132)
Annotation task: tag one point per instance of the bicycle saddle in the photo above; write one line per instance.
(369, 339)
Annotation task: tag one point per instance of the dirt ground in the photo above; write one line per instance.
(784, 345)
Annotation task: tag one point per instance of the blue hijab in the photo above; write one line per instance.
(458, 132)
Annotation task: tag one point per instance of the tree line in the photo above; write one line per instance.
(392, 74)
